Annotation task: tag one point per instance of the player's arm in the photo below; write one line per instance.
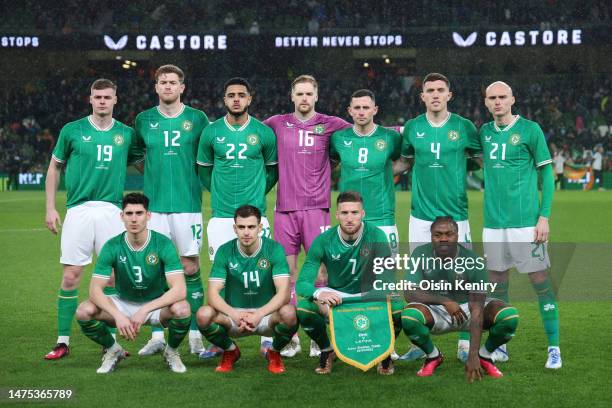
(541, 155)
(305, 285)
(270, 156)
(334, 156)
(476, 305)
(52, 217)
(136, 153)
(205, 159)
(205, 175)
(216, 301)
(176, 293)
(271, 176)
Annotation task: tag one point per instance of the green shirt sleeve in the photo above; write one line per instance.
(136, 149)
(473, 137)
(548, 190)
(538, 147)
(305, 286)
(61, 152)
(270, 153)
(170, 258)
(206, 155)
(104, 263)
(407, 150)
(218, 271)
(396, 139)
(280, 267)
(333, 152)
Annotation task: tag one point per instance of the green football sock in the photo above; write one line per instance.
(217, 335)
(108, 291)
(464, 335)
(501, 292)
(503, 328)
(177, 330)
(313, 323)
(413, 323)
(67, 302)
(97, 331)
(282, 336)
(549, 311)
(195, 296)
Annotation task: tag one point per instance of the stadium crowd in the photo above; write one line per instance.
(576, 114)
(257, 17)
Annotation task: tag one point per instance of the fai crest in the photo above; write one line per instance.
(515, 139)
(380, 144)
(263, 263)
(152, 258)
(252, 139)
(361, 322)
(187, 125)
(319, 129)
(118, 140)
(453, 135)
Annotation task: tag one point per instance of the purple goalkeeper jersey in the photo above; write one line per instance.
(304, 173)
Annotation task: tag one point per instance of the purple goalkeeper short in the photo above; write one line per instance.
(293, 229)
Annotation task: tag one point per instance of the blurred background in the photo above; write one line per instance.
(556, 55)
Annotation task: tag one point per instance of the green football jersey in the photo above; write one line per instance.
(171, 143)
(349, 264)
(440, 162)
(366, 166)
(96, 160)
(140, 275)
(511, 158)
(452, 281)
(249, 279)
(238, 155)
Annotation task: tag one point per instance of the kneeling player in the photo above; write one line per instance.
(457, 303)
(342, 249)
(144, 262)
(254, 275)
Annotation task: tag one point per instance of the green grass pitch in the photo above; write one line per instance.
(31, 275)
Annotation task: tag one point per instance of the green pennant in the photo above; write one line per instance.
(362, 331)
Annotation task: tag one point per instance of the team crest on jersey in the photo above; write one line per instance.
(380, 144)
(118, 140)
(152, 258)
(515, 139)
(263, 263)
(187, 125)
(318, 129)
(361, 322)
(365, 251)
(252, 139)
(453, 135)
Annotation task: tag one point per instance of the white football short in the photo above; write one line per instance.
(221, 230)
(419, 232)
(129, 308)
(507, 248)
(86, 228)
(184, 229)
(443, 322)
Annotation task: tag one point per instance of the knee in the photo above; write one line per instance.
(506, 321)
(180, 310)
(71, 277)
(85, 311)
(288, 315)
(204, 316)
(190, 265)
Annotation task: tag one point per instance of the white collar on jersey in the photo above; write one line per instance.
(241, 128)
(109, 127)
(175, 115)
(516, 118)
(433, 125)
(366, 135)
(127, 241)
(254, 254)
(356, 241)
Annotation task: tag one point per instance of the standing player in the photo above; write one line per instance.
(145, 263)
(253, 275)
(452, 267)
(238, 164)
(344, 250)
(366, 153)
(515, 219)
(169, 134)
(303, 195)
(439, 142)
(95, 152)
